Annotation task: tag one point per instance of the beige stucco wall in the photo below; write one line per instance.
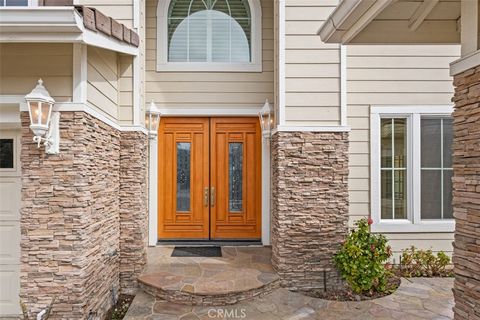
(209, 90)
(392, 75)
(22, 64)
(312, 70)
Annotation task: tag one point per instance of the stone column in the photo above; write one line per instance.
(133, 208)
(309, 207)
(83, 217)
(466, 194)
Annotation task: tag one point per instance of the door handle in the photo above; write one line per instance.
(212, 196)
(205, 196)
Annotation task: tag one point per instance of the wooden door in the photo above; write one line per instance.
(183, 178)
(235, 178)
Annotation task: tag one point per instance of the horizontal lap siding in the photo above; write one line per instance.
(209, 90)
(312, 68)
(22, 64)
(392, 75)
(125, 89)
(102, 81)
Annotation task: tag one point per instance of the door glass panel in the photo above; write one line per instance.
(6, 154)
(183, 176)
(235, 176)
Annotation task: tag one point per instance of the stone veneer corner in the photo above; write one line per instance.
(466, 194)
(79, 216)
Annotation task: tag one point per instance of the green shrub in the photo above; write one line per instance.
(362, 257)
(423, 263)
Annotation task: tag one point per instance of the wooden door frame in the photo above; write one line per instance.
(153, 172)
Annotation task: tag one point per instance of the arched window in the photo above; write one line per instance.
(209, 35)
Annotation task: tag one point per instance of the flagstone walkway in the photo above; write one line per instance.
(417, 298)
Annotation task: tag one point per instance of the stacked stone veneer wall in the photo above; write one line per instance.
(466, 194)
(309, 207)
(75, 217)
(133, 209)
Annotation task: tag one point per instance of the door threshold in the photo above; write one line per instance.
(209, 243)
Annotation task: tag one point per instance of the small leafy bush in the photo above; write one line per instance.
(361, 259)
(423, 263)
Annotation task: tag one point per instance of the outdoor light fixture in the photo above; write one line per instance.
(266, 119)
(44, 122)
(152, 120)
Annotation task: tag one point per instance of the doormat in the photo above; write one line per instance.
(197, 252)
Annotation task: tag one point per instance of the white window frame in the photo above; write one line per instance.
(31, 3)
(413, 223)
(255, 46)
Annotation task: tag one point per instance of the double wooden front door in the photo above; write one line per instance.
(209, 178)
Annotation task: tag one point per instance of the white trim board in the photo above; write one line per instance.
(221, 111)
(311, 129)
(463, 64)
(281, 63)
(343, 85)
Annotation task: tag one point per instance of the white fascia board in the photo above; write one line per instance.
(100, 40)
(333, 25)
(54, 24)
(463, 64)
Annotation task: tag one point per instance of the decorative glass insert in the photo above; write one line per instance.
(436, 168)
(12, 3)
(235, 176)
(393, 168)
(209, 31)
(7, 154)
(183, 176)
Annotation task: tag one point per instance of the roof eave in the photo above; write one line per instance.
(54, 24)
(332, 29)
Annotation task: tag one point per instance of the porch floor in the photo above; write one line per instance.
(241, 273)
(417, 298)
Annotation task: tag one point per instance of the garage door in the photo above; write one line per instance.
(10, 196)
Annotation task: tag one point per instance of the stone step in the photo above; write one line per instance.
(240, 274)
(164, 286)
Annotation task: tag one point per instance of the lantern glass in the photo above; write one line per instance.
(147, 121)
(154, 122)
(151, 123)
(34, 109)
(266, 119)
(46, 109)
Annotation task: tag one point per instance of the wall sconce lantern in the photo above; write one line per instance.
(44, 122)
(266, 119)
(152, 120)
